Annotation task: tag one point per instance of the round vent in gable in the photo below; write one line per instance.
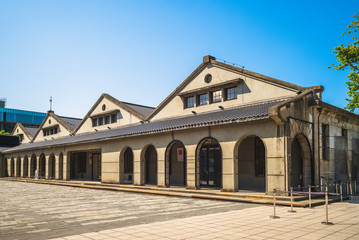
(103, 107)
(208, 78)
(49, 121)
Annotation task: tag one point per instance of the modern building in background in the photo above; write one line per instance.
(9, 117)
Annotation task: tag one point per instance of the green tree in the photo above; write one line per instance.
(348, 58)
(2, 132)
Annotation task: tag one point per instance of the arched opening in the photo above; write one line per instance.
(18, 167)
(209, 155)
(33, 165)
(52, 166)
(252, 164)
(176, 164)
(61, 166)
(301, 164)
(25, 167)
(12, 167)
(42, 166)
(126, 166)
(5, 168)
(150, 165)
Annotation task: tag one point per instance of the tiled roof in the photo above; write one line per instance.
(243, 113)
(144, 110)
(71, 122)
(31, 130)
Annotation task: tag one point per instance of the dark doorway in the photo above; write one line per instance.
(12, 167)
(52, 167)
(96, 166)
(33, 166)
(251, 164)
(25, 167)
(210, 160)
(301, 164)
(61, 166)
(18, 167)
(151, 165)
(176, 164)
(42, 166)
(128, 166)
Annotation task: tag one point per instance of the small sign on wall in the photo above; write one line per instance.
(179, 154)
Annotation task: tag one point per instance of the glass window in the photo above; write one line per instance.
(107, 119)
(231, 93)
(113, 118)
(217, 96)
(190, 102)
(94, 122)
(203, 99)
(55, 130)
(100, 121)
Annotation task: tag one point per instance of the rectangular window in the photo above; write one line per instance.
(100, 121)
(217, 96)
(107, 119)
(51, 131)
(203, 99)
(231, 93)
(55, 130)
(345, 133)
(94, 122)
(44, 132)
(325, 142)
(190, 102)
(113, 118)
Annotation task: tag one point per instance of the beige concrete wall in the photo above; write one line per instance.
(123, 118)
(247, 92)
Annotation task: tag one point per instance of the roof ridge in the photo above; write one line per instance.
(139, 105)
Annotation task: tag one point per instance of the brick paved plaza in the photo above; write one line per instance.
(39, 211)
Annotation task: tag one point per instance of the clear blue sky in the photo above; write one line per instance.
(140, 51)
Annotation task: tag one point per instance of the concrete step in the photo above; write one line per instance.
(249, 197)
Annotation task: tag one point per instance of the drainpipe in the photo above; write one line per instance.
(319, 112)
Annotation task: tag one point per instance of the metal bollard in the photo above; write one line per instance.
(341, 192)
(326, 208)
(274, 199)
(291, 201)
(310, 196)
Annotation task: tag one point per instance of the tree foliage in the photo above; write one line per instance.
(2, 132)
(348, 58)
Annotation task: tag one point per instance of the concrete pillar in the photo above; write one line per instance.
(22, 173)
(66, 160)
(192, 181)
(229, 182)
(56, 166)
(47, 167)
(29, 166)
(38, 164)
(161, 176)
(9, 167)
(138, 168)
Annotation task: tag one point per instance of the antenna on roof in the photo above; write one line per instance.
(50, 103)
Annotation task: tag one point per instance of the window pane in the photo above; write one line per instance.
(107, 119)
(190, 102)
(100, 121)
(217, 96)
(231, 93)
(113, 118)
(203, 99)
(94, 122)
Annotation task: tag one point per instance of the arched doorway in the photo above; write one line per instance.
(6, 171)
(126, 165)
(52, 166)
(301, 164)
(18, 167)
(12, 167)
(61, 166)
(150, 165)
(209, 155)
(25, 167)
(42, 166)
(33, 165)
(251, 164)
(176, 164)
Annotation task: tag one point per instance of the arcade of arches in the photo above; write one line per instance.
(207, 161)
